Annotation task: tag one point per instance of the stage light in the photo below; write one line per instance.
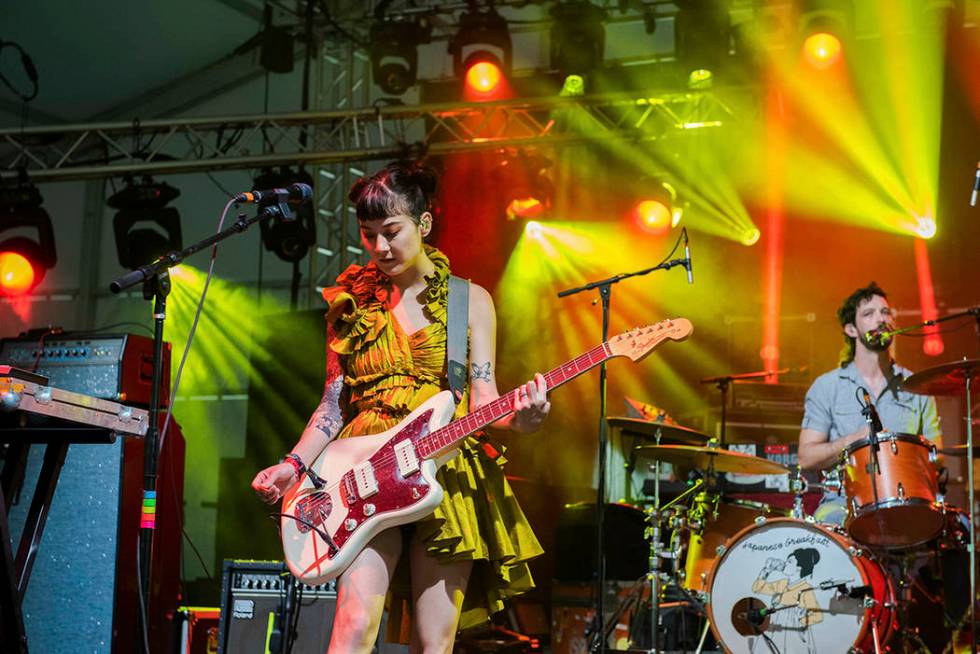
(526, 188)
(483, 76)
(24, 260)
(482, 43)
(700, 79)
(821, 50)
(573, 86)
(145, 227)
(16, 273)
(702, 36)
(823, 24)
(656, 211)
(751, 237)
(394, 53)
(925, 227)
(533, 229)
(290, 240)
(578, 38)
(653, 216)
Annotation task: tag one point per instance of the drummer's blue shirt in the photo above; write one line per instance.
(833, 407)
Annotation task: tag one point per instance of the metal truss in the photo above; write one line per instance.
(157, 147)
(335, 144)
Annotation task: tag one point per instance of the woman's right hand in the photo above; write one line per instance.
(271, 483)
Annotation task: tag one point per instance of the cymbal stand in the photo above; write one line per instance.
(654, 574)
(724, 381)
(973, 512)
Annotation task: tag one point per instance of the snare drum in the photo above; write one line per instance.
(898, 507)
(717, 526)
(793, 586)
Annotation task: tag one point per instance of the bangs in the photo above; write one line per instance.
(377, 201)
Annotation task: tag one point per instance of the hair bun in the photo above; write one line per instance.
(420, 174)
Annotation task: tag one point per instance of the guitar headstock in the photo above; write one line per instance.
(641, 341)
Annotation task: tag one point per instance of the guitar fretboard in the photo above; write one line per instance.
(491, 412)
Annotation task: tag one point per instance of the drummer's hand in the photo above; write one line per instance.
(861, 433)
(271, 483)
(531, 404)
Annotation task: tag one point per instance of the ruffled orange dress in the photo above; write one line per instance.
(388, 374)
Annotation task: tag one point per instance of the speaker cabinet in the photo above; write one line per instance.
(256, 606)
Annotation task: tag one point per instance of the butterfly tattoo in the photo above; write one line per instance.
(481, 372)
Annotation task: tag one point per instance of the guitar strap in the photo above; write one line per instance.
(457, 321)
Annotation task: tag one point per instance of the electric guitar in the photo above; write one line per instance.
(366, 484)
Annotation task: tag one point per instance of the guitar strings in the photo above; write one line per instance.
(508, 398)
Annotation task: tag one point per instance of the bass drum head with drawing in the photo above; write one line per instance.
(792, 586)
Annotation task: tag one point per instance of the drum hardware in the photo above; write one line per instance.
(951, 379)
(724, 381)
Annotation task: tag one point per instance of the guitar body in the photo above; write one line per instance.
(388, 479)
(372, 483)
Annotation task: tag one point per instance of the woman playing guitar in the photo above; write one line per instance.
(386, 355)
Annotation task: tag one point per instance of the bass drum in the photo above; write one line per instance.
(796, 587)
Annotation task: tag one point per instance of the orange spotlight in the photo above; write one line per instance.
(16, 274)
(483, 76)
(653, 216)
(822, 50)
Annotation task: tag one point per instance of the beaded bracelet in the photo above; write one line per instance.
(297, 463)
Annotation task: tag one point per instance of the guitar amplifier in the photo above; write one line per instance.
(253, 602)
(117, 367)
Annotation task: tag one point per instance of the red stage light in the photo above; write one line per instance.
(16, 274)
(822, 50)
(483, 77)
(653, 216)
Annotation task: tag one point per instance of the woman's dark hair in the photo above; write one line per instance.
(847, 314)
(807, 558)
(399, 188)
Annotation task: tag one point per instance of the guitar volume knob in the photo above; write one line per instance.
(350, 524)
(369, 510)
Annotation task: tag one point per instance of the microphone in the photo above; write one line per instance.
(756, 616)
(878, 336)
(297, 192)
(870, 412)
(687, 258)
(839, 584)
(976, 187)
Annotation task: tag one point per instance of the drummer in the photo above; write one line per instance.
(833, 420)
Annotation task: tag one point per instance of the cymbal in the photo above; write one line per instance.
(713, 458)
(944, 379)
(668, 433)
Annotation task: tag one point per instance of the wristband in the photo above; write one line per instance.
(297, 463)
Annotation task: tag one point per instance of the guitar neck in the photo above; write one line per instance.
(448, 436)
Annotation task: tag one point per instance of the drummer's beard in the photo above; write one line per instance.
(874, 343)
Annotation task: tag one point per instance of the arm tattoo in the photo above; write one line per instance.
(328, 416)
(481, 372)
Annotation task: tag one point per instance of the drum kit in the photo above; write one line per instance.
(891, 578)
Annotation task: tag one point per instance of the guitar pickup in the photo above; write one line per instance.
(364, 479)
(408, 461)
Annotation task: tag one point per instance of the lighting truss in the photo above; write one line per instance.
(158, 147)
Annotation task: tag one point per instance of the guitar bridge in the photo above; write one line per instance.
(313, 510)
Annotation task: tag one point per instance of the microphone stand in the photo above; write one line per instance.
(155, 278)
(605, 293)
(972, 311)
